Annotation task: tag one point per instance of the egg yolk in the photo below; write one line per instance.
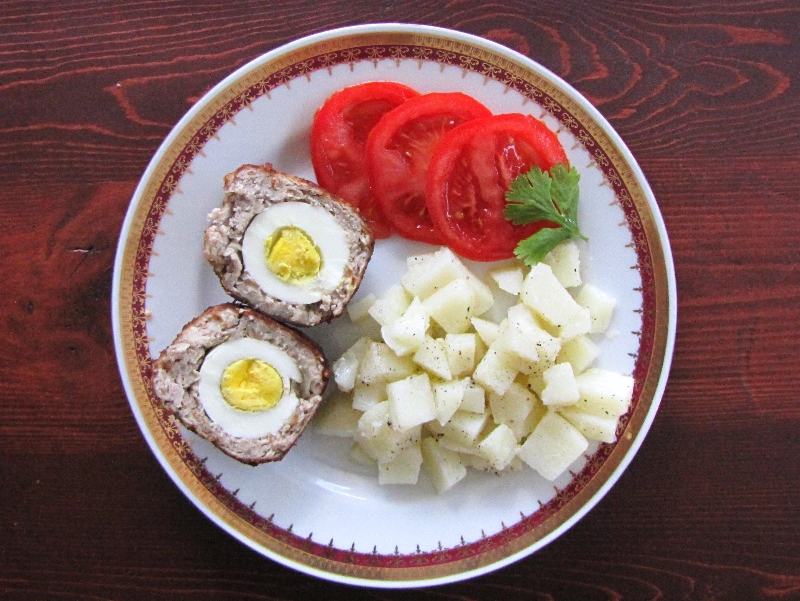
(251, 385)
(292, 255)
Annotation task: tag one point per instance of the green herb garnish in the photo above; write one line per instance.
(541, 196)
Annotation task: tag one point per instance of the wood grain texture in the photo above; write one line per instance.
(704, 93)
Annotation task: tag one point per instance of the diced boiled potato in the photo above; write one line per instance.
(431, 272)
(447, 397)
(593, 427)
(474, 398)
(484, 299)
(536, 382)
(359, 457)
(604, 392)
(565, 262)
(499, 447)
(515, 409)
(487, 330)
(358, 310)
(390, 306)
(378, 439)
(493, 373)
(336, 417)
(561, 387)
(553, 446)
(508, 278)
(600, 306)
(381, 364)
(453, 445)
(345, 368)
(443, 465)
(580, 352)
(407, 333)
(403, 469)
(366, 396)
(410, 402)
(464, 427)
(577, 325)
(432, 357)
(460, 353)
(452, 306)
(543, 293)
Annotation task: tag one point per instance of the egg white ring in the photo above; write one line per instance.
(325, 231)
(236, 422)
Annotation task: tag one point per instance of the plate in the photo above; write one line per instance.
(316, 511)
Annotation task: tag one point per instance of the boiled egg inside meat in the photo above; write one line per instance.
(246, 387)
(295, 251)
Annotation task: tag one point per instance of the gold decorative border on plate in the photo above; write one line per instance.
(282, 71)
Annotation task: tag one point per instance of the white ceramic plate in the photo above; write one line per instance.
(316, 511)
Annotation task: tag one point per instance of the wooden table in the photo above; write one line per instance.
(706, 96)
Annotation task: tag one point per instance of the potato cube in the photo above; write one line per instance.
(403, 469)
(359, 457)
(499, 447)
(561, 387)
(514, 409)
(565, 262)
(464, 427)
(553, 446)
(452, 306)
(432, 357)
(600, 306)
(493, 373)
(366, 396)
(487, 330)
(593, 427)
(443, 465)
(577, 325)
(345, 368)
(378, 439)
(474, 398)
(447, 397)
(431, 272)
(382, 364)
(336, 417)
(604, 392)
(358, 310)
(390, 306)
(410, 402)
(508, 278)
(545, 295)
(460, 353)
(580, 352)
(407, 333)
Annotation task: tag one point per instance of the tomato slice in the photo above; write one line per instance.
(470, 173)
(339, 135)
(399, 149)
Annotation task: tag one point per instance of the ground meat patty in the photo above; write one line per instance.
(249, 191)
(176, 376)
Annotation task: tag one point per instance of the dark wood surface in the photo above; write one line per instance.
(705, 93)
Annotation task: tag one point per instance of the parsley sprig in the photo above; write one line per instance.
(542, 196)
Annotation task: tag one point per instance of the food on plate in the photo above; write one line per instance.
(467, 374)
(399, 149)
(469, 174)
(549, 200)
(244, 382)
(286, 247)
(338, 140)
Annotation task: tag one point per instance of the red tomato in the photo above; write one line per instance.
(399, 149)
(338, 136)
(470, 173)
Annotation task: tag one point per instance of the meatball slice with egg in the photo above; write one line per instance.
(286, 247)
(244, 382)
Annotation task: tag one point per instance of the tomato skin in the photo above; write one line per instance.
(338, 139)
(469, 174)
(399, 149)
